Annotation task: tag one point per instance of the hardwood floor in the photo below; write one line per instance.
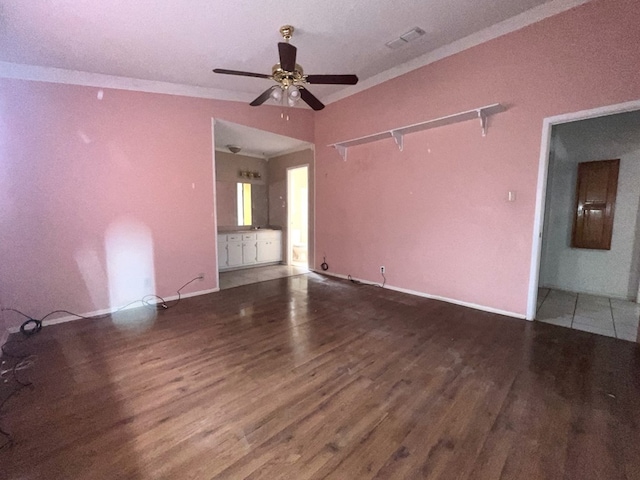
(309, 377)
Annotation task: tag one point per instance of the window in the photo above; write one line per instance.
(244, 204)
(595, 204)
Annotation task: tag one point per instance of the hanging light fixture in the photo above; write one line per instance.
(276, 94)
(293, 95)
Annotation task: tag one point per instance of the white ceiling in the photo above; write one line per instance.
(601, 138)
(254, 142)
(179, 42)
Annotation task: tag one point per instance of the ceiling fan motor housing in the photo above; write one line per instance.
(285, 78)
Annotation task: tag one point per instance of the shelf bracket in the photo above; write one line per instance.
(483, 122)
(342, 150)
(399, 138)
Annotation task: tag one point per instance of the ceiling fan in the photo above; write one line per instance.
(290, 78)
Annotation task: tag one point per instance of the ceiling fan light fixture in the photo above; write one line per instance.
(234, 148)
(276, 94)
(293, 92)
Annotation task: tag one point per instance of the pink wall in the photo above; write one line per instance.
(76, 171)
(73, 167)
(436, 214)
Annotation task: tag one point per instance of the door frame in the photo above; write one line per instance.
(541, 190)
(289, 252)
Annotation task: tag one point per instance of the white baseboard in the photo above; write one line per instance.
(475, 306)
(108, 311)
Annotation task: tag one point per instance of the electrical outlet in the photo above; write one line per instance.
(201, 276)
(382, 269)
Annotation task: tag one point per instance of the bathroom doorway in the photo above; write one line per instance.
(298, 216)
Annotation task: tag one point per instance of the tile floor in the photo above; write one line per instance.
(245, 276)
(605, 316)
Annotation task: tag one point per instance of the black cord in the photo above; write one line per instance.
(27, 332)
(358, 282)
(19, 360)
(146, 301)
(32, 326)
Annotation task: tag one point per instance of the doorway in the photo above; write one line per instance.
(582, 287)
(543, 168)
(298, 216)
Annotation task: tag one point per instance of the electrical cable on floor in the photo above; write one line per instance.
(31, 326)
(146, 301)
(358, 282)
(21, 362)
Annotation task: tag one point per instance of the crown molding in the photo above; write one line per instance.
(509, 25)
(99, 80)
(300, 148)
(242, 153)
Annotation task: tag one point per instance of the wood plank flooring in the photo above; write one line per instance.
(316, 378)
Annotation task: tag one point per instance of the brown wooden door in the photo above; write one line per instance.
(595, 204)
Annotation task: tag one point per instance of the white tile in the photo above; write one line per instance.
(587, 299)
(249, 276)
(625, 315)
(627, 329)
(561, 295)
(594, 307)
(599, 322)
(596, 313)
(553, 311)
(560, 321)
(555, 305)
(607, 332)
(542, 296)
(631, 336)
(624, 318)
(618, 304)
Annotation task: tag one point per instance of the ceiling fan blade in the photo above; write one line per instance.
(264, 96)
(243, 74)
(287, 56)
(332, 79)
(310, 99)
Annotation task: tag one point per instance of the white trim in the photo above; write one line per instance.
(475, 306)
(300, 148)
(289, 151)
(109, 311)
(244, 154)
(99, 80)
(541, 190)
(289, 260)
(75, 77)
(214, 194)
(315, 197)
(509, 25)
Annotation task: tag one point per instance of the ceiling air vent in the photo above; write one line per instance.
(405, 38)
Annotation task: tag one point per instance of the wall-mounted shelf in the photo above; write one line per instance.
(397, 134)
